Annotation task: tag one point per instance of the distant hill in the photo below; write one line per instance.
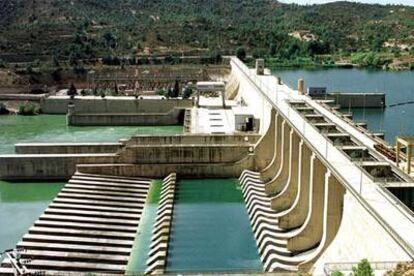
(80, 29)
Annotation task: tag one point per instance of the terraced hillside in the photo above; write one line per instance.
(82, 29)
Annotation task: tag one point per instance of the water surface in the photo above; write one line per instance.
(22, 203)
(53, 128)
(20, 206)
(211, 231)
(398, 87)
(137, 262)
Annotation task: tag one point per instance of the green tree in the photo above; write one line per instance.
(187, 92)
(241, 53)
(72, 90)
(28, 109)
(272, 49)
(56, 62)
(176, 89)
(2, 64)
(110, 40)
(363, 269)
(3, 109)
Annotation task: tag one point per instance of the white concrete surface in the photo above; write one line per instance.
(396, 222)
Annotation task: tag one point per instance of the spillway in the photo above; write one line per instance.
(210, 229)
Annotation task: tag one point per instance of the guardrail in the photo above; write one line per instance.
(329, 268)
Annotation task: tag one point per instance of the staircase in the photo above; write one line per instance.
(89, 227)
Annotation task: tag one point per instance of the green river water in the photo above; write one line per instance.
(211, 231)
(138, 259)
(53, 128)
(22, 203)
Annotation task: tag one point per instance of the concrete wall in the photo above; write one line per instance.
(58, 161)
(91, 104)
(374, 100)
(182, 154)
(250, 94)
(22, 97)
(46, 166)
(194, 170)
(66, 148)
(173, 117)
(360, 236)
(212, 139)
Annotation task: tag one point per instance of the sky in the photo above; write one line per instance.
(403, 2)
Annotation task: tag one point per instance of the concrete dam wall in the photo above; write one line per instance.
(119, 110)
(302, 196)
(109, 104)
(192, 155)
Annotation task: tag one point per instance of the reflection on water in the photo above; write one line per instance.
(211, 229)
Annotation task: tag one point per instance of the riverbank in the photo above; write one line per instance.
(361, 60)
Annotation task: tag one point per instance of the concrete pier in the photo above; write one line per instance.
(157, 257)
(305, 238)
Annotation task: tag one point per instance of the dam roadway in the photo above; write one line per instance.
(395, 219)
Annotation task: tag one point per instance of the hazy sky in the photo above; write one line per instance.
(404, 2)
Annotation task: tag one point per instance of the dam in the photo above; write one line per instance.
(270, 181)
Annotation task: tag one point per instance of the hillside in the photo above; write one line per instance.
(84, 29)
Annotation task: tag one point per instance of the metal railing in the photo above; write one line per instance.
(329, 268)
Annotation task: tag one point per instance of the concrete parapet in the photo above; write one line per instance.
(109, 104)
(192, 170)
(66, 148)
(174, 116)
(46, 166)
(22, 97)
(193, 139)
(358, 100)
(184, 154)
